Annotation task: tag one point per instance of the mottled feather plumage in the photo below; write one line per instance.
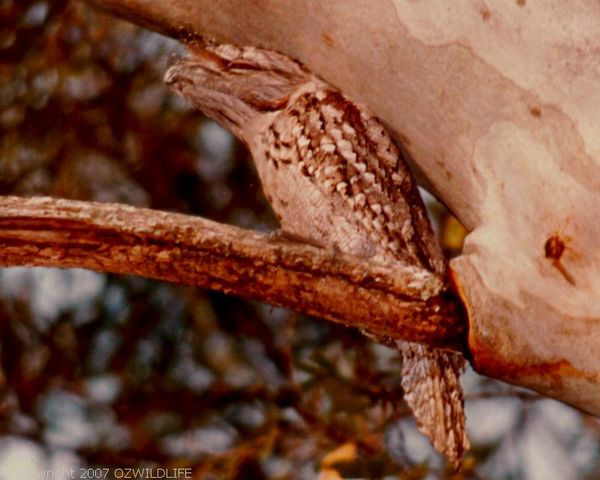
(335, 177)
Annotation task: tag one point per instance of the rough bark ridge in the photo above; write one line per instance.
(497, 104)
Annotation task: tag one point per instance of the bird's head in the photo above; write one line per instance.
(235, 85)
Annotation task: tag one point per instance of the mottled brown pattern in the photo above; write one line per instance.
(335, 177)
(349, 155)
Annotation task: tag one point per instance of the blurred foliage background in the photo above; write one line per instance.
(100, 370)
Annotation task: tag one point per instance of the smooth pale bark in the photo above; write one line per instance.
(498, 104)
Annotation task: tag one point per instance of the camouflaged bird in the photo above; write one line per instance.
(335, 177)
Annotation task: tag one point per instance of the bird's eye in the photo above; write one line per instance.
(242, 64)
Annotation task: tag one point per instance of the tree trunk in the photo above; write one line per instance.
(497, 105)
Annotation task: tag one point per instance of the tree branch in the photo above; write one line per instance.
(387, 300)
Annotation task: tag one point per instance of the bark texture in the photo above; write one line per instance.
(497, 104)
(385, 299)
